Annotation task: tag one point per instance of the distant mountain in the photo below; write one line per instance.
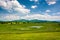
(34, 20)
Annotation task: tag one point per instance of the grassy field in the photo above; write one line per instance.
(31, 36)
(30, 31)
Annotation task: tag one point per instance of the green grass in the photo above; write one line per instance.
(46, 27)
(48, 31)
(31, 36)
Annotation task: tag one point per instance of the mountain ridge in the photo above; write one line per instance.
(34, 20)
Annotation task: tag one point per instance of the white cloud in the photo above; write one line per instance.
(24, 6)
(57, 13)
(41, 17)
(34, 6)
(34, 0)
(50, 2)
(13, 5)
(48, 11)
(11, 17)
(30, 17)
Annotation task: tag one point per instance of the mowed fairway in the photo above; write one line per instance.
(31, 36)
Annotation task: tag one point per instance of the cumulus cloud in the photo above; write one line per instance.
(48, 11)
(41, 17)
(34, 6)
(34, 0)
(11, 17)
(57, 13)
(13, 5)
(30, 17)
(50, 2)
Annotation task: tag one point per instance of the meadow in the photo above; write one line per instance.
(30, 31)
(31, 36)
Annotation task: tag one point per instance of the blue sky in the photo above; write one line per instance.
(29, 9)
